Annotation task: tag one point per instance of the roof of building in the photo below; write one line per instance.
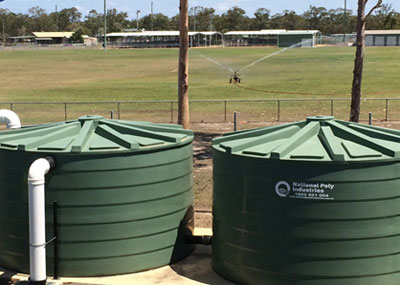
(53, 34)
(271, 32)
(382, 32)
(157, 33)
(21, 37)
(242, 33)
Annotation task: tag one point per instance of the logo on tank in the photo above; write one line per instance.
(282, 189)
(305, 190)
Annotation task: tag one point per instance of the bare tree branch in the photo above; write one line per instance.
(378, 5)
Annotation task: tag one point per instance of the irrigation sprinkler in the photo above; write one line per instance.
(235, 78)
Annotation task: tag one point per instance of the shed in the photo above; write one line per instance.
(382, 38)
(306, 38)
(52, 37)
(276, 37)
(162, 39)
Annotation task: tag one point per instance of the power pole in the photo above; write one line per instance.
(152, 15)
(105, 25)
(183, 68)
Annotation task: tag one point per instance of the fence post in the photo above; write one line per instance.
(225, 111)
(172, 112)
(65, 111)
(386, 109)
(279, 110)
(370, 118)
(235, 121)
(11, 106)
(119, 110)
(331, 107)
(112, 114)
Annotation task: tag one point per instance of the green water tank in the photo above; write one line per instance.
(123, 188)
(308, 203)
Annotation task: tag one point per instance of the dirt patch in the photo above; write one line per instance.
(202, 172)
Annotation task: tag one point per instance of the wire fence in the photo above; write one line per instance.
(207, 111)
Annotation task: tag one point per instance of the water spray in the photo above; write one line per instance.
(235, 76)
(218, 63)
(273, 54)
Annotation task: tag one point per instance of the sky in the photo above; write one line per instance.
(171, 7)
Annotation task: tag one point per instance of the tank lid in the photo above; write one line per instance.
(319, 138)
(94, 134)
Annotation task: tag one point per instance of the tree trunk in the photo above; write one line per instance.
(358, 64)
(183, 68)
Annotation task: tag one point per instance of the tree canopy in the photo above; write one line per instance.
(200, 19)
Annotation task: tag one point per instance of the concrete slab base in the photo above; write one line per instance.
(195, 269)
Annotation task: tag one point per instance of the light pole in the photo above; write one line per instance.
(105, 25)
(4, 33)
(152, 15)
(56, 18)
(344, 21)
(137, 19)
(3, 24)
(194, 18)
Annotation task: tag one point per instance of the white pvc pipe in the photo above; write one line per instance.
(37, 221)
(10, 118)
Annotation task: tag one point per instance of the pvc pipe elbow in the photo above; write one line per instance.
(38, 169)
(10, 118)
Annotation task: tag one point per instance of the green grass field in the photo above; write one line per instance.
(151, 74)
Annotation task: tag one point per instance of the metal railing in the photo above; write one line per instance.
(208, 111)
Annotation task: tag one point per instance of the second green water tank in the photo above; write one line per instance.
(124, 193)
(308, 203)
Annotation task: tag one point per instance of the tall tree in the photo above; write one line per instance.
(234, 19)
(261, 19)
(288, 20)
(385, 18)
(94, 23)
(40, 20)
(359, 62)
(116, 21)
(315, 17)
(159, 21)
(68, 19)
(201, 18)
